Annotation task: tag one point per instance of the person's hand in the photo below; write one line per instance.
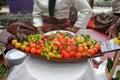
(111, 31)
(47, 27)
(73, 29)
(39, 30)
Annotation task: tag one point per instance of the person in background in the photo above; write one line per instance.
(20, 6)
(115, 10)
(73, 15)
(114, 28)
(116, 23)
(54, 15)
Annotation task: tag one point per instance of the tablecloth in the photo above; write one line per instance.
(36, 69)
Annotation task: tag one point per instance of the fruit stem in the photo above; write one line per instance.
(19, 33)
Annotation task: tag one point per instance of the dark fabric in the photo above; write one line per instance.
(55, 24)
(51, 6)
(73, 15)
(22, 6)
(117, 14)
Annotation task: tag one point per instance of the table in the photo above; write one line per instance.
(36, 69)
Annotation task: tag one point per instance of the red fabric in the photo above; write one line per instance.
(91, 24)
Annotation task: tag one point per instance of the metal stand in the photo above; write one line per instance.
(3, 54)
(115, 63)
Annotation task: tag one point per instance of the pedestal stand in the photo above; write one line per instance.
(115, 63)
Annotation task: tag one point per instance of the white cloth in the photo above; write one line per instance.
(62, 11)
(114, 9)
(100, 72)
(36, 69)
(103, 10)
(108, 11)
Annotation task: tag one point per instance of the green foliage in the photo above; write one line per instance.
(103, 3)
(2, 3)
(109, 67)
(118, 74)
(7, 19)
(3, 70)
(109, 64)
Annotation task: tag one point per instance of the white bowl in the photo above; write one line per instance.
(55, 31)
(15, 57)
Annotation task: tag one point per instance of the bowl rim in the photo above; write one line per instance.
(12, 50)
(54, 31)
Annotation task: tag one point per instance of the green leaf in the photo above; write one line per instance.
(94, 42)
(76, 44)
(59, 51)
(109, 64)
(48, 57)
(3, 70)
(55, 36)
(89, 55)
(88, 37)
(83, 35)
(118, 74)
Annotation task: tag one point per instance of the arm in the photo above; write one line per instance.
(84, 13)
(117, 24)
(113, 28)
(37, 16)
(104, 12)
(108, 12)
